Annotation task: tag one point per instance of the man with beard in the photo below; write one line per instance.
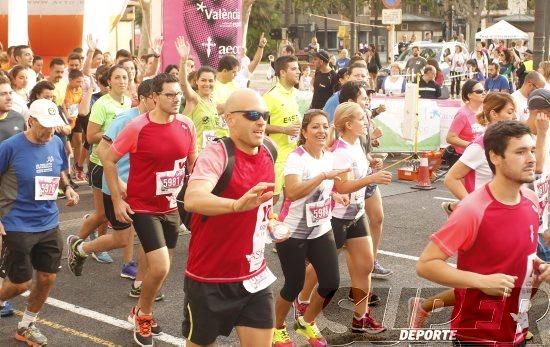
(415, 63)
(492, 291)
(496, 82)
(325, 80)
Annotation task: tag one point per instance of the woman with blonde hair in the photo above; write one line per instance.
(349, 222)
(394, 84)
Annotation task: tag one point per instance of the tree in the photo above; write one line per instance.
(263, 16)
(471, 10)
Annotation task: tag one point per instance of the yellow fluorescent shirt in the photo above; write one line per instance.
(223, 90)
(59, 92)
(284, 111)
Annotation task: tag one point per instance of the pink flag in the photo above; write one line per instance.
(213, 28)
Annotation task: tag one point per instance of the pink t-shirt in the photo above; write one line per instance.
(466, 126)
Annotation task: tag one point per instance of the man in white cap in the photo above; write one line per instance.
(33, 166)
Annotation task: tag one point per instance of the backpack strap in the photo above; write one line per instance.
(268, 144)
(228, 171)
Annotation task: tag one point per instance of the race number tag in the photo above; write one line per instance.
(45, 187)
(170, 182)
(208, 137)
(256, 258)
(318, 213)
(260, 281)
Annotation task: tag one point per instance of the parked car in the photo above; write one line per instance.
(428, 50)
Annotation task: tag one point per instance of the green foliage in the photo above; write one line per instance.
(265, 15)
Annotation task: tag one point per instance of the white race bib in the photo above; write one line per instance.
(170, 182)
(261, 234)
(208, 136)
(260, 281)
(318, 213)
(45, 187)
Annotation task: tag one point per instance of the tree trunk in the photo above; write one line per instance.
(473, 25)
(144, 42)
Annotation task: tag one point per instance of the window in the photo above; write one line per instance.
(332, 39)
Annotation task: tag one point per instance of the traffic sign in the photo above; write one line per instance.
(392, 3)
(393, 16)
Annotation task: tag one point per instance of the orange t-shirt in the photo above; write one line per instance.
(72, 100)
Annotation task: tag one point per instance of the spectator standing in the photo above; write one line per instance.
(373, 64)
(394, 84)
(324, 80)
(415, 63)
(457, 63)
(427, 88)
(495, 82)
(439, 79)
(343, 59)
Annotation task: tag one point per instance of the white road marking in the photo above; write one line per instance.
(175, 341)
(404, 256)
(446, 199)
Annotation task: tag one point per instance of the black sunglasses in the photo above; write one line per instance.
(478, 91)
(254, 115)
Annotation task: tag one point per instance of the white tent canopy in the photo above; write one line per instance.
(501, 31)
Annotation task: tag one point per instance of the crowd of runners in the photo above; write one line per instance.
(241, 171)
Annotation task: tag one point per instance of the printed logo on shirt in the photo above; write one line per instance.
(45, 167)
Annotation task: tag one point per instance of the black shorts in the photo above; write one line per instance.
(213, 309)
(110, 214)
(81, 124)
(369, 191)
(95, 175)
(345, 229)
(157, 231)
(3, 267)
(27, 251)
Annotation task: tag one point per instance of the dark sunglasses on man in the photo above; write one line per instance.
(254, 115)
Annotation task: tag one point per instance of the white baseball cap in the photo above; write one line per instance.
(47, 113)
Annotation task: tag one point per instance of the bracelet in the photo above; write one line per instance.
(260, 46)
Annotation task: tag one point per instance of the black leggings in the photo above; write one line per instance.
(455, 83)
(321, 253)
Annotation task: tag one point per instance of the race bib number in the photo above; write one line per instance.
(208, 137)
(73, 110)
(45, 187)
(170, 182)
(318, 213)
(260, 237)
(261, 281)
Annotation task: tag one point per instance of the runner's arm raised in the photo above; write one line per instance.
(258, 55)
(183, 50)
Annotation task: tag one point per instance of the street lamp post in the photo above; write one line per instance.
(539, 38)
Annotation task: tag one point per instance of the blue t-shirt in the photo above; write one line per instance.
(112, 132)
(24, 165)
(499, 85)
(331, 104)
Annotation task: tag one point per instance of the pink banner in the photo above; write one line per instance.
(213, 28)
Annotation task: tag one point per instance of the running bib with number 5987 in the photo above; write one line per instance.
(318, 213)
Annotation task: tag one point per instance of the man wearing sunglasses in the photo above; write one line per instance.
(533, 81)
(226, 278)
(284, 122)
(161, 146)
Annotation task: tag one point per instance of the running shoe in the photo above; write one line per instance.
(529, 336)
(143, 329)
(135, 292)
(379, 271)
(446, 207)
(129, 270)
(31, 336)
(102, 257)
(281, 338)
(299, 309)
(155, 328)
(310, 332)
(417, 316)
(367, 324)
(6, 310)
(374, 299)
(75, 260)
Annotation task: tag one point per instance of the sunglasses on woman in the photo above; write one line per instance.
(254, 115)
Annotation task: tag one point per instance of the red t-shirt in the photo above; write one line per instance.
(158, 155)
(491, 238)
(465, 126)
(230, 247)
